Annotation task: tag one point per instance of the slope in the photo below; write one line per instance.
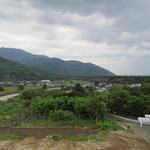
(54, 65)
(13, 71)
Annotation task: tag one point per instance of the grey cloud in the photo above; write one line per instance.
(83, 7)
(123, 23)
(131, 16)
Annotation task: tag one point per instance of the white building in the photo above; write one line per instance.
(47, 82)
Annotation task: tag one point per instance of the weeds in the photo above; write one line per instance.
(108, 124)
(70, 123)
(87, 138)
(56, 137)
(10, 137)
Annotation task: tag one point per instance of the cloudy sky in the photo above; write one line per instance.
(114, 34)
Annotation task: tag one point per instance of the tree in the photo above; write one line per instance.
(118, 99)
(1, 88)
(140, 103)
(20, 87)
(96, 108)
(78, 88)
(77, 91)
(96, 83)
(79, 106)
(27, 94)
(44, 86)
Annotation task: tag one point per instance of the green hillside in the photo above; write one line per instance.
(11, 71)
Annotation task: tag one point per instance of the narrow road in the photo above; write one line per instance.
(7, 97)
(127, 120)
(134, 125)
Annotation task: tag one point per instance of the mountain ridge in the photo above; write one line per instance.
(54, 65)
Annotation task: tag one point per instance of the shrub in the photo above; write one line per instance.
(54, 93)
(109, 124)
(1, 88)
(61, 115)
(96, 108)
(56, 137)
(10, 137)
(86, 138)
(44, 86)
(43, 106)
(20, 87)
(27, 94)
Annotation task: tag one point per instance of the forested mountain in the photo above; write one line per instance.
(54, 65)
(12, 71)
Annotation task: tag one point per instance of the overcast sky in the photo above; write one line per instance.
(114, 34)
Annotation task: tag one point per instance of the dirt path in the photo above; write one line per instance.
(125, 140)
(43, 132)
(6, 97)
(142, 132)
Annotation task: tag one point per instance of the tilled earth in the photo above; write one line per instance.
(43, 132)
(116, 140)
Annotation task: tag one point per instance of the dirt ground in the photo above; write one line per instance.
(40, 133)
(116, 140)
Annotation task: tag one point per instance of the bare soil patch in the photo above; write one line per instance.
(43, 132)
(125, 140)
(118, 140)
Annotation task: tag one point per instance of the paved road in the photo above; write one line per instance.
(134, 125)
(127, 120)
(6, 97)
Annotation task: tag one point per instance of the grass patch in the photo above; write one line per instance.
(97, 138)
(12, 90)
(10, 137)
(71, 123)
(108, 124)
(32, 87)
(9, 90)
(80, 138)
(75, 82)
(56, 137)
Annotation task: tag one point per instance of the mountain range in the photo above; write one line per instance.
(53, 65)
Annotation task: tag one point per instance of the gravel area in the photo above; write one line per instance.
(142, 132)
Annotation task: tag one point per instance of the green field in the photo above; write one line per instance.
(12, 90)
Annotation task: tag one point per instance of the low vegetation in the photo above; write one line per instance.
(56, 137)
(66, 108)
(105, 125)
(128, 79)
(1, 88)
(97, 138)
(10, 137)
(55, 106)
(42, 108)
(69, 123)
(6, 90)
(108, 124)
(132, 102)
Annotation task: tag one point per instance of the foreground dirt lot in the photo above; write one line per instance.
(116, 140)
